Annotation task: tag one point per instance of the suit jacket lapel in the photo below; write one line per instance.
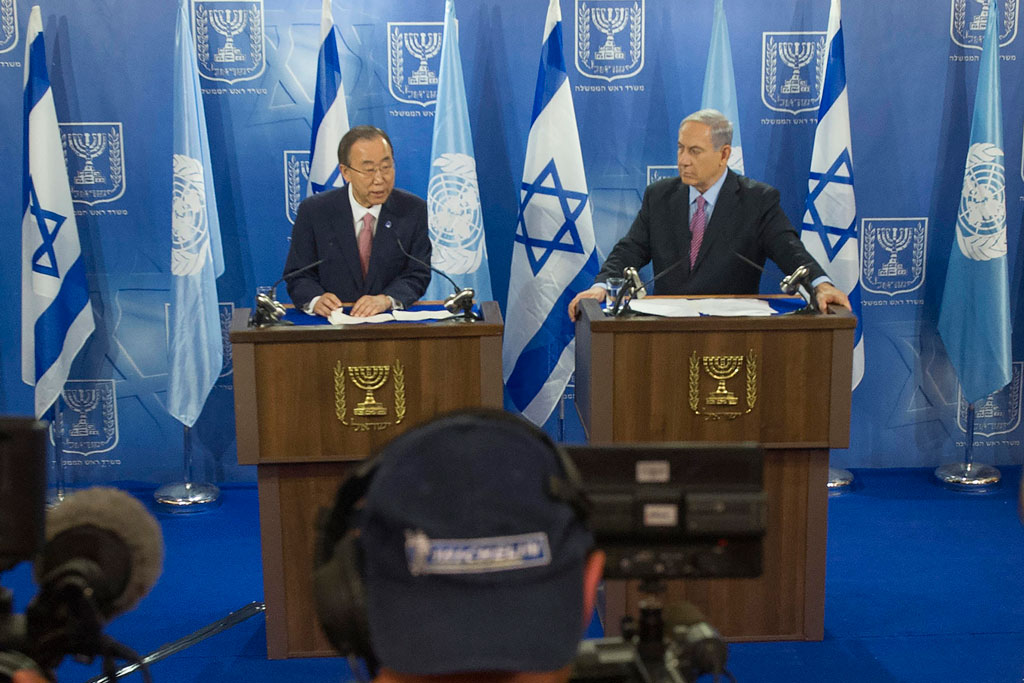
(721, 217)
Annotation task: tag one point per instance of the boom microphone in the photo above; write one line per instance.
(461, 301)
(106, 541)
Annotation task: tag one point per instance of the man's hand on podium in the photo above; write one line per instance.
(594, 292)
(826, 293)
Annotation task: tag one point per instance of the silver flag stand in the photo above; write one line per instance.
(187, 496)
(55, 496)
(968, 475)
(839, 480)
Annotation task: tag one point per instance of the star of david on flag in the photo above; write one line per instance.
(829, 229)
(554, 253)
(330, 113)
(974, 318)
(56, 314)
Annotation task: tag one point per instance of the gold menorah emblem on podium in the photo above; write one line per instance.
(369, 379)
(722, 368)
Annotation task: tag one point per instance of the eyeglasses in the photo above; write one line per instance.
(385, 170)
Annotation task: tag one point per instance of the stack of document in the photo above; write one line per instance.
(339, 318)
(691, 308)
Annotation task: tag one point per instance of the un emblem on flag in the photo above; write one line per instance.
(981, 218)
(456, 222)
(89, 416)
(414, 56)
(8, 25)
(610, 37)
(892, 254)
(969, 18)
(229, 39)
(656, 173)
(997, 414)
(296, 180)
(792, 70)
(94, 155)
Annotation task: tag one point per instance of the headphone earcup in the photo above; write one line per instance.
(340, 599)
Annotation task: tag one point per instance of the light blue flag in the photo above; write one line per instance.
(196, 353)
(56, 315)
(330, 113)
(554, 256)
(974, 319)
(830, 230)
(720, 83)
(453, 196)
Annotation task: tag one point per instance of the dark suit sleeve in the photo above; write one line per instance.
(408, 285)
(634, 249)
(302, 288)
(780, 240)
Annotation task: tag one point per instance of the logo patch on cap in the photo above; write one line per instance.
(427, 555)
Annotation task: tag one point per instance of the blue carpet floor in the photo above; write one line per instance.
(923, 585)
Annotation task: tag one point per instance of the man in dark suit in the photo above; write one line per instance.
(703, 219)
(357, 229)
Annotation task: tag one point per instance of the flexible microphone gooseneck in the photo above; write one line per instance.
(459, 303)
(268, 311)
(638, 289)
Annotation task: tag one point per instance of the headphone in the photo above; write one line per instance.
(338, 589)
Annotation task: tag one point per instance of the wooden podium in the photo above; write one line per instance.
(781, 381)
(312, 401)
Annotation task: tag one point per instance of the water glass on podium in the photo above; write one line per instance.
(615, 285)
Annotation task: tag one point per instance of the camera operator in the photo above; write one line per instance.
(462, 552)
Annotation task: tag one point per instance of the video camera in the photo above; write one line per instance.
(95, 556)
(669, 511)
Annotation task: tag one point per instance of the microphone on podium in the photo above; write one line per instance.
(461, 302)
(268, 312)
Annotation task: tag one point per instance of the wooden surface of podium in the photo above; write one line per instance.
(782, 381)
(311, 401)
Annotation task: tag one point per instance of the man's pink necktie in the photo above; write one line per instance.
(697, 225)
(366, 242)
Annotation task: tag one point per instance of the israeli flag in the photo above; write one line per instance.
(196, 353)
(330, 114)
(554, 255)
(56, 315)
(720, 83)
(453, 195)
(974, 318)
(829, 229)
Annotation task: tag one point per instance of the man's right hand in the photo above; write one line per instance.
(595, 292)
(325, 304)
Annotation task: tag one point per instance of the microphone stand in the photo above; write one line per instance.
(268, 312)
(460, 302)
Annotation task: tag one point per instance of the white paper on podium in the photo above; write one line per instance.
(339, 318)
(422, 315)
(691, 308)
(667, 308)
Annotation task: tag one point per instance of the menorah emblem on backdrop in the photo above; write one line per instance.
(82, 401)
(88, 146)
(610, 38)
(414, 50)
(8, 25)
(609, 21)
(892, 254)
(893, 240)
(968, 20)
(93, 427)
(796, 56)
(423, 46)
(797, 89)
(94, 154)
(229, 39)
(296, 180)
(229, 23)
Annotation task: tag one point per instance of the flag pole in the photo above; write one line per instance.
(187, 495)
(968, 475)
(56, 495)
